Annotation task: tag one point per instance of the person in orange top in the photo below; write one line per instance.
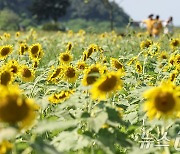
(157, 27)
(149, 24)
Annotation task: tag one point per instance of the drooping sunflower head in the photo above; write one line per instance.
(162, 101)
(15, 108)
(27, 74)
(115, 63)
(35, 51)
(65, 57)
(55, 75)
(70, 74)
(5, 51)
(106, 85)
(138, 67)
(6, 76)
(145, 44)
(60, 97)
(92, 73)
(175, 43)
(92, 48)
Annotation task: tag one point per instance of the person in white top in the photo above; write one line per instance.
(168, 26)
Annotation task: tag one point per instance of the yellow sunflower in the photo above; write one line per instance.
(172, 60)
(15, 108)
(23, 48)
(173, 75)
(106, 85)
(70, 74)
(5, 51)
(14, 66)
(92, 48)
(6, 76)
(154, 49)
(17, 34)
(162, 101)
(92, 73)
(35, 51)
(65, 57)
(56, 74)
(145, 44)
(69, 47)
(81, 65)
(175, 43)
(84, 57)
(115, 63)
(138, 67)
(60, 97)
(163, 55)
(27, 74)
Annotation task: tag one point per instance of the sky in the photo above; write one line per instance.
(140, 9)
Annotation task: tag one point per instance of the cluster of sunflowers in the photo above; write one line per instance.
(108, 74)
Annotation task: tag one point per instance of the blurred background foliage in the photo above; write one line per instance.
(90, 15)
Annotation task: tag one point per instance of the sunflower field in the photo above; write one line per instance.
(77, 92)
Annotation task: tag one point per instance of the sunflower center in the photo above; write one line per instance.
(70, 73)
(22, 50)
(62, 96)
(175, 43)
(138, 67)
(5, 51)
(56, 73)
(65, 57)
(5, 78)
(164, 57)
(92, 76)
(164, 102)
(147, 44)
(34, 49)
(11, 111)
(108, 84)
(14, 69)
(27, 73)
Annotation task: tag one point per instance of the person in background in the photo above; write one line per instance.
(168, 26)
(149, 24)
(157, 27)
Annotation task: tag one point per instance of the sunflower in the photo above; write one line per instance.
(5, 147)
(84, 57)
(92, 48)
(138, 67)
(6, 76)
(35, 51)
(69, 47)
(81, 65)
(163, 55)
(23, 48)
(13, 65)
(60, 97)
(172, 60)
(65, 57)
(56, 75)
(92, 73)
(177, 59)
(173, 75)
(35, 63)
(106, 85)
(175, 43)
(154, 49)
(70, 74)
(116, 64)
(162, 101)
(15, 108)
(145, 44)
(132, 60)
(17, 34)
(5, 51)
(27, 74)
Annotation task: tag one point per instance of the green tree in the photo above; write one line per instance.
(49, 9)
